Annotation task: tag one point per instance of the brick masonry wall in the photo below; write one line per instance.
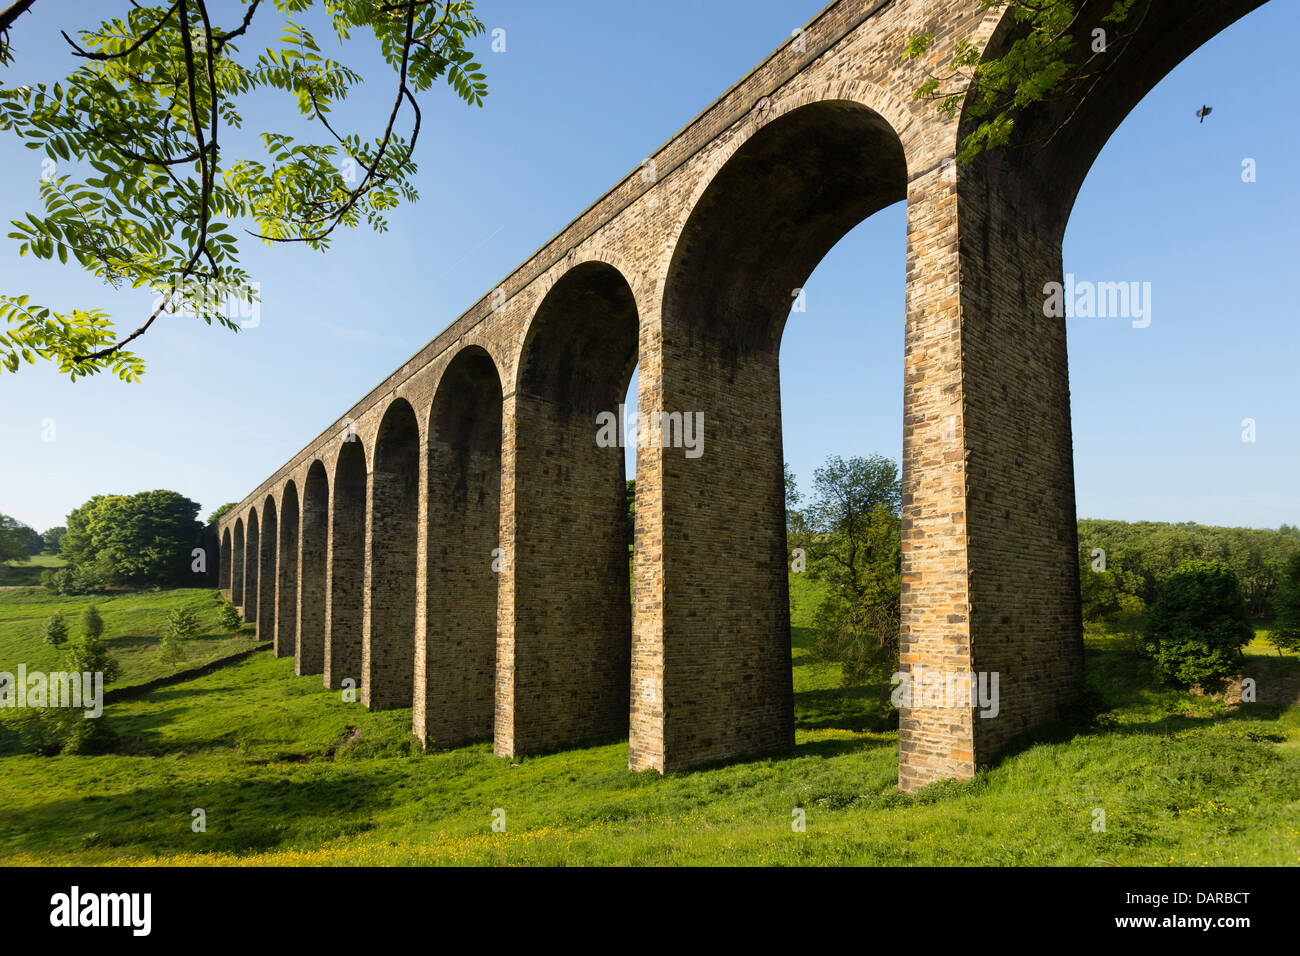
(286, 575)
(309, 643)
(345, 569)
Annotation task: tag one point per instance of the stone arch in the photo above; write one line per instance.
(226, 556)
(286, 573)
(901, 118)
(346, 566)
(565, 612)
(455, 660)
(1012, 207)
(313, 551)
(1055, 143)
(252, 562)
(237, 565)
(720, 650)
(392, 552)
(268, 554)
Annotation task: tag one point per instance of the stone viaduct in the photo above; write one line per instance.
(457, 543)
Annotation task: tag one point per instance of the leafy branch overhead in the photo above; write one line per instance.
(139, 191)
(1042, 64)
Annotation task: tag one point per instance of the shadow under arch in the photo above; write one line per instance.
(346, 567)
(252, 561)
(309, 646)
(392, 542)
(226, 554)
(565, 608)
(286, 573)
(1013, 204)
(455, 658)
(237, 566)
(267, 553)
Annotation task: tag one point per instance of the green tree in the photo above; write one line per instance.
(853, 520)
(92, 623)
(182, 623)
(133, 539)
(1198, 625)
(1043, 62)
(91, 655)
(18, 542)
(56, 631)
(53, 538)
(148, 189)
(221, 511)
(1285, 634)
(228, 618)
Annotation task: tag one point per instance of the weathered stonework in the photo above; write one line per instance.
(462, 532)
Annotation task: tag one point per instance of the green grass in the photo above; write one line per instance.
(28, 573)
(288, 773)
(134, 624)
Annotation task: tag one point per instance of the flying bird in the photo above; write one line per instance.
(1203, 112)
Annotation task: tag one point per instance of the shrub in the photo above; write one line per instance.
(56, 631)
(1198, 624)
(70, 582)
(228, 618)
(182, 623)
(90, 655)
(92, 624)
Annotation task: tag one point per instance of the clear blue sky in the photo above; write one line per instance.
(584, 91)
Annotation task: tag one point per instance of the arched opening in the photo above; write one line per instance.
(237, 566)
(566, 610)
(388, 648)
(226, 575)
(252, 561)
(455, 665)
(286, 578)
(346, 573)
(722, 656)
(1019, 508)
(309, 652)
(268, 556)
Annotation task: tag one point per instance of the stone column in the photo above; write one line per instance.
(388, 624)
(286, 577)
(266, 550)
(313, 551)
(345, 569)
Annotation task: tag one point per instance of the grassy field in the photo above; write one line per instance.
(288, 773)
(134, 623)
(27, 573)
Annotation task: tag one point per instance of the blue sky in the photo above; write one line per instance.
(583, 92)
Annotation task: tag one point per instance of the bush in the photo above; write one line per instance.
(228, 618)
(1198, 624)
(90, 655)
(47, 731)
(92, 625)
(182, 623)
(56, 631)
(71, 582)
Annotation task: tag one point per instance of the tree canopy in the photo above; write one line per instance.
(146, 538)
(142, 188)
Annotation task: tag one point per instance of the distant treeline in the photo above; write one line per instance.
(1122, 559)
